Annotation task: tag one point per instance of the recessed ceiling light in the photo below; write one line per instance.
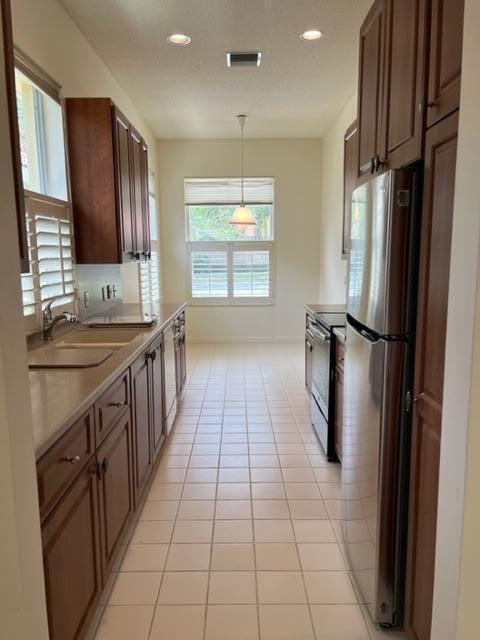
(179, 38)
(312, 34)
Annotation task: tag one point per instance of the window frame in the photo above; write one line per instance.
(39, 77)
(231, 247)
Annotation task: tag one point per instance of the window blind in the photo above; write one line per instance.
(228, 191)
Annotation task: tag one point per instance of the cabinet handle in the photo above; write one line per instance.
(432, 104)
(117, 404)
(71, 459)
(378, 163)
(372, 166)
(104, 465)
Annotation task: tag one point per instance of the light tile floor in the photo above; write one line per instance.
(238, 538)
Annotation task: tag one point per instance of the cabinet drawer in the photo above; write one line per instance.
(111, 405)
(63, 462)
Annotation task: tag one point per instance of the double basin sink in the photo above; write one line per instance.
(82, 348)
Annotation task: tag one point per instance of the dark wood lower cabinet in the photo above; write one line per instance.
(436, 234)
(157, 395)
(115, 466)
(141, 404)
(71, 558)
(91, 481)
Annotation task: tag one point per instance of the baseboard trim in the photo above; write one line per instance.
(244, 339)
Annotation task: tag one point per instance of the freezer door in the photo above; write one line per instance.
(372, 388)
(381, 251)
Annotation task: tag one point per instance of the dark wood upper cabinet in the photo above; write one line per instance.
(445, 65)
(123, 174)
(370, 92)
(71, 558)
(350, 177)
(145, 201)
(436, 235)
(115, 471)
(14, 134)
(108, 166)
(404, 86)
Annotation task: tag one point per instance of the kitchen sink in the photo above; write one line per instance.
(95, 338)
(67, 358)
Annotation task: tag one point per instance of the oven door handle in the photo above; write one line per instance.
(320, 335)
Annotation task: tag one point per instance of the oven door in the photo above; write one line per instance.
(320, 340)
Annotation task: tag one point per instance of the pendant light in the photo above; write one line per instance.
(242, 214)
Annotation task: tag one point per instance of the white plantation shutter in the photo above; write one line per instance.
(50, 237)
(251, 274)
(209, 273)
(150, 279)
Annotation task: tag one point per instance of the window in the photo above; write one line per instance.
(48, 210)
(149, 271)
(229, 264)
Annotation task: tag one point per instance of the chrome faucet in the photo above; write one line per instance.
(49, 320)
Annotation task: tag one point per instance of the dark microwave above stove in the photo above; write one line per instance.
(320, 343)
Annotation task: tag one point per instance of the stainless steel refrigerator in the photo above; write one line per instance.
(382, 276)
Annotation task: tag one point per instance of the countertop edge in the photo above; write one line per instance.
(67, 421)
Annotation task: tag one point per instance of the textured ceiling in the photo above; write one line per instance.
(188, 92)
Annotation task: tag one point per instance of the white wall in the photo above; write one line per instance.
(457, 556)
(46, 33)
(333, 272)
(22, 600)
(296, 167)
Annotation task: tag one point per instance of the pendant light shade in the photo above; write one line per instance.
(242, 214)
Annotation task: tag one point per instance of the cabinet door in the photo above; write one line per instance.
(156, 392)
(370, 92)
(141, 421)
(115, 467)
(338, 412)
(436, 234)
(145, 201)
(14, 134)
(350, 171)
(178, 365)
(445, 67)
(170, 376)
(405, 59)
(138, 209)
(71, 558)
(184, 361)
(123, 179)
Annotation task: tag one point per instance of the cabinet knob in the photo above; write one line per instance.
(71, 459)
(104, 465)
(117, 404)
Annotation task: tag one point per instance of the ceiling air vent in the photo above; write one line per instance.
(250, 59)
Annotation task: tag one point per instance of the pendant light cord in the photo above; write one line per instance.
(241, 120)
